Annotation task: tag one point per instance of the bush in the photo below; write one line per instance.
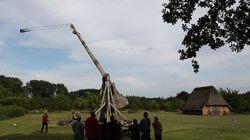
(39, 103)
(81, 103)
(18, 101)
(61, 102)
(174, 105)
(11, 111)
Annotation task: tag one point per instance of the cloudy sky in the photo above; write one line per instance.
(128, 37)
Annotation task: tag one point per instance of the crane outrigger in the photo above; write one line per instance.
(111, 101)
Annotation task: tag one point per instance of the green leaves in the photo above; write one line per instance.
(226, 23)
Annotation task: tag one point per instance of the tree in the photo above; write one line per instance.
(173, 104)
(61, 102)
(81, 103)
(4, 92)
(61, 89)
(18, 101)
(40, 88)
(40, 103)
(183, 95)
(14, 85)
(134, 102)
(225, 22)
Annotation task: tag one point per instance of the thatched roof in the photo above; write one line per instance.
(201, 96)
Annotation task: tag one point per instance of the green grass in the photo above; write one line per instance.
(176, 127)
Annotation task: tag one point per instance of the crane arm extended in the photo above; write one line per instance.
(92, 56)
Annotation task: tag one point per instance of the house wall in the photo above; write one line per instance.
(216, 110)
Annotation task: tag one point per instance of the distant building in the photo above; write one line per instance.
(206, 101)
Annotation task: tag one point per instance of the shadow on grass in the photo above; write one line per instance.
(43, 136)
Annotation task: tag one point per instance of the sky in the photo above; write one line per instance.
(128, 37)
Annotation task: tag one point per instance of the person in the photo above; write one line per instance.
(78, 129)
(45, 122)
(103, 129)
(234, 124)
(135, 130)
(145, 127)
(114, 130)
(157, 128)
(75, 115)
(92, 127)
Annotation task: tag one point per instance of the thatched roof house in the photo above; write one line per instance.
(206, 101)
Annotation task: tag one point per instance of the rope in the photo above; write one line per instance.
(45, 27)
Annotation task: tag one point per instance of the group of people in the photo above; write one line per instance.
(111, 130)
(142, 130)
(97, 131)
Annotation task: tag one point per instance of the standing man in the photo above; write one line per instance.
(103, 129)
(45, 122)
(92, 127)
(114, 129)
(157, 128)
(78, 129)
(145, 127)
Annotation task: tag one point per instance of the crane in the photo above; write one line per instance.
(111, 100)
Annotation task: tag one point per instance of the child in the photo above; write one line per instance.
(234, 124)
(157, 128)
(135, 130)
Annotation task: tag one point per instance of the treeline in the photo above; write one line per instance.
(39, 95)
(164, 104)
(240, 102)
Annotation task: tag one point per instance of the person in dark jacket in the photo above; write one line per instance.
(145, 127)
(135, 130)
(45, 122)
(78, 129)
(157, 128)
(92, 127)
(103, 129)
(114, 130)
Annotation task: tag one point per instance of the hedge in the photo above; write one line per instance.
(11, 111)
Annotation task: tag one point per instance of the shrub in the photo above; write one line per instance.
(61, 102)
(81, 103)
(39, 103)
(11, 111)
(18, 101)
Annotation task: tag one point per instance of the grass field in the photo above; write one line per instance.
(176, 127)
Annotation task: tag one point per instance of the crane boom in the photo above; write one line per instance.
(92, 56)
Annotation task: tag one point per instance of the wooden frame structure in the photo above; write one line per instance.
(109, 106)
(108, 91)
